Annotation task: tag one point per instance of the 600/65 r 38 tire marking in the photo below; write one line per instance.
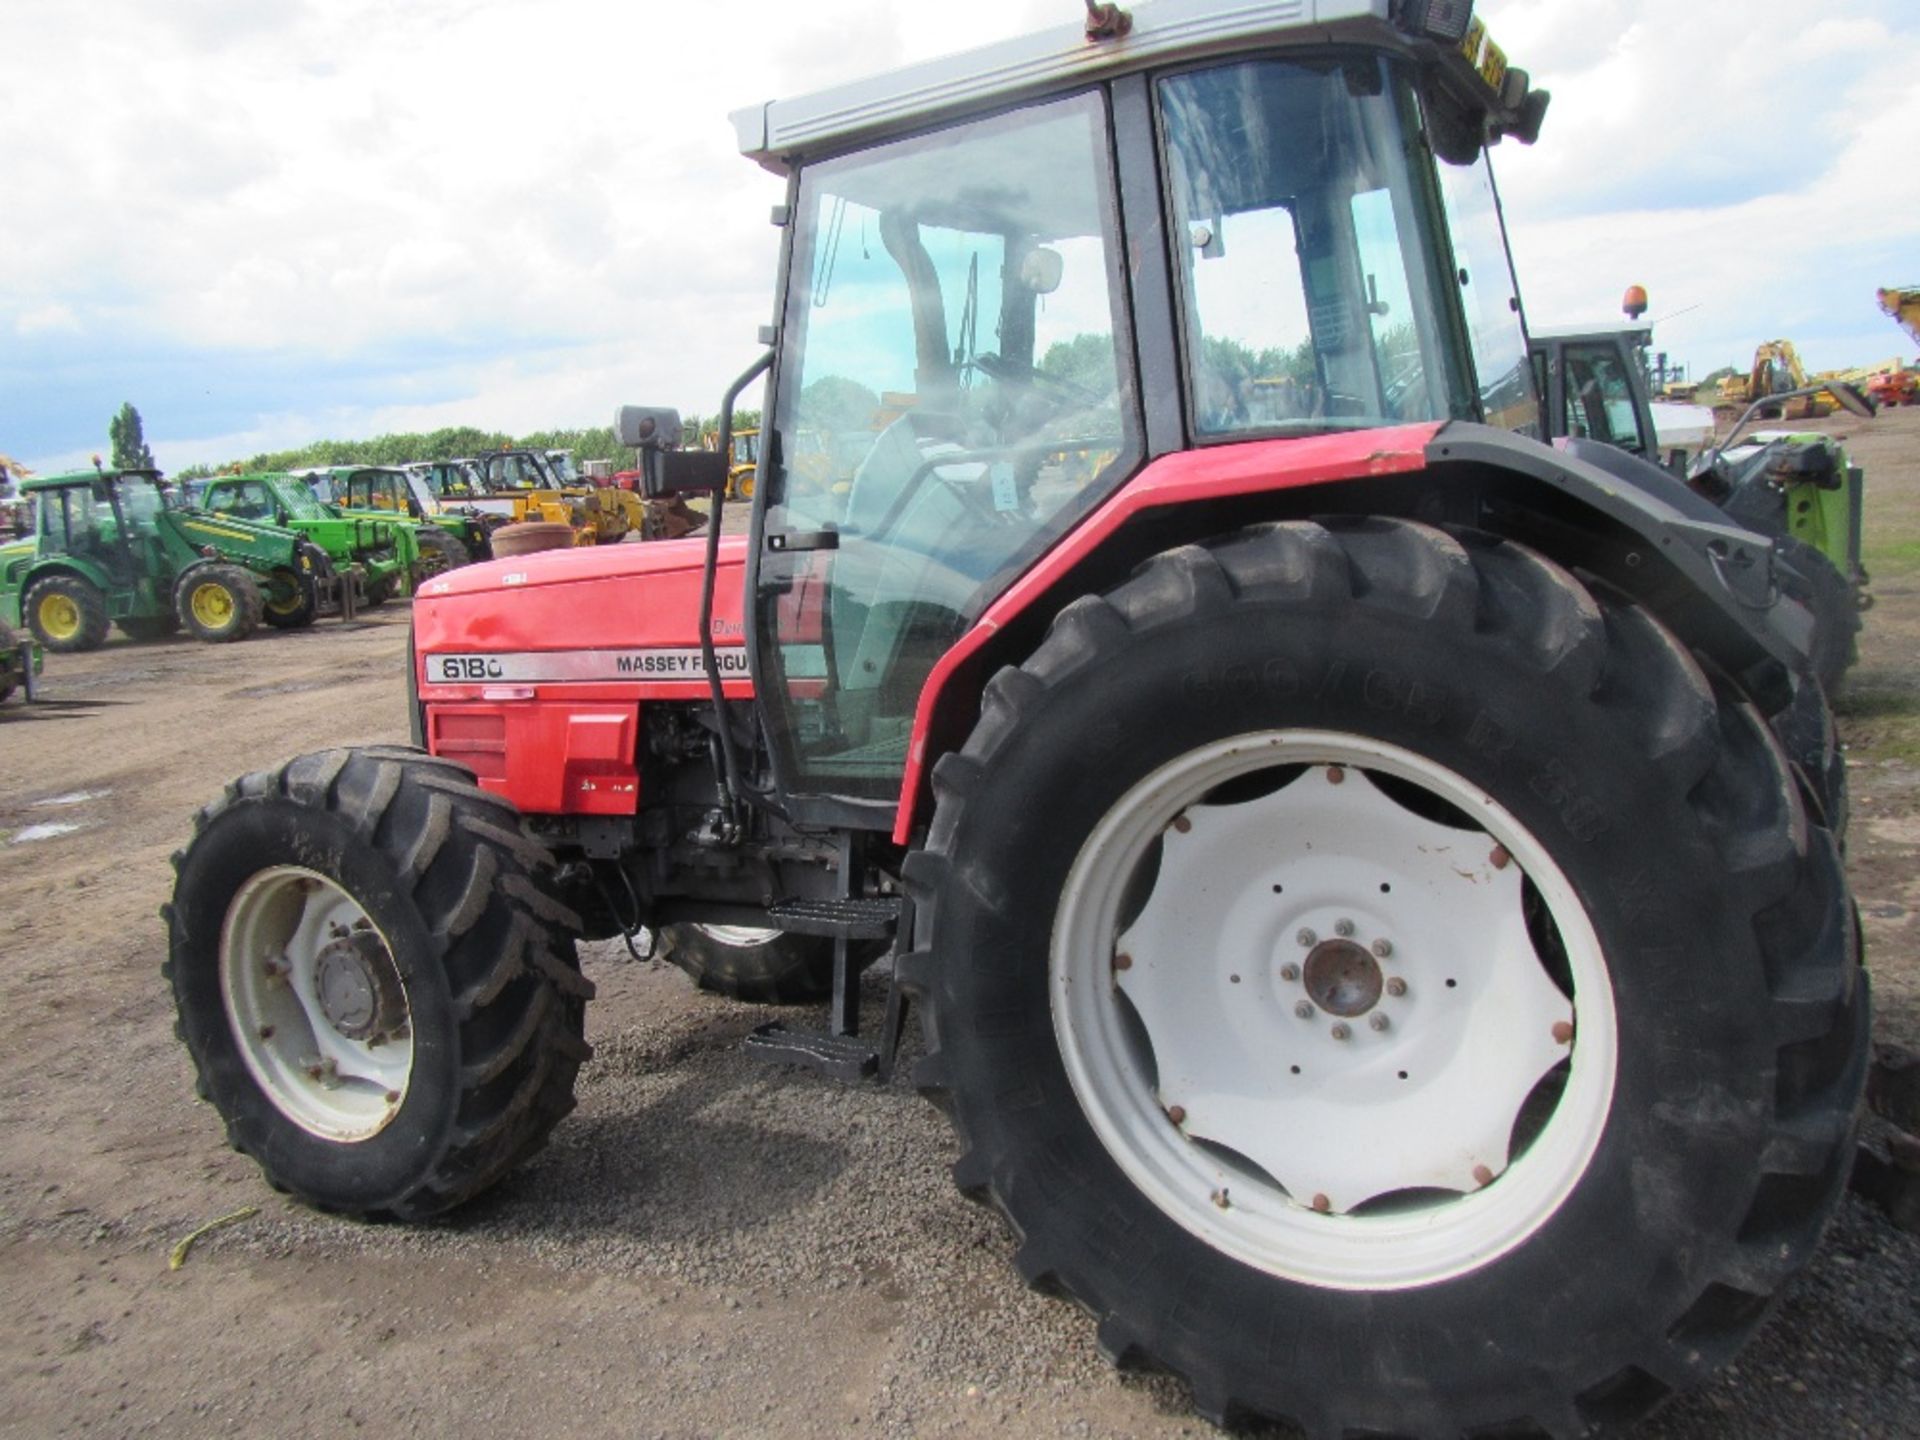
(380, 998)
(1191, 904)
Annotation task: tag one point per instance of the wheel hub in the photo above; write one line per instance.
(1343, 979)
(359, 993)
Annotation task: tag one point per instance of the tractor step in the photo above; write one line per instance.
(840, 1057)
(858, 919)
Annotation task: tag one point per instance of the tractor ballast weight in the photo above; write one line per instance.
(1370, 881)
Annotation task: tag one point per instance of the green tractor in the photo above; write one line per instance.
(447, 537)
(110, 549)
(388, 551)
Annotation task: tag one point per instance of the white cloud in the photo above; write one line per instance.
(556, 185)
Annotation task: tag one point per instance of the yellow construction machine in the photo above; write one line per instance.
(1776, 370)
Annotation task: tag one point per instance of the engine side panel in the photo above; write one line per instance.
(532, 670)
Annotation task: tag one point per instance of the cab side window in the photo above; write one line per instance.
(1599, 398)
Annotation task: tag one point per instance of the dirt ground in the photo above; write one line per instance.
(710, 1246)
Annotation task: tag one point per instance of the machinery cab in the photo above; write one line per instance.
(994, 318)
(106, 521)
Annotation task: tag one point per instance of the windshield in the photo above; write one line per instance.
(949, 396)
(1314, 292)
(374, 490)
(514, 472)
(299, 500)
(140, 501)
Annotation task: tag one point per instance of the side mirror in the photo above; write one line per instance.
(647, 426)
(667, 473)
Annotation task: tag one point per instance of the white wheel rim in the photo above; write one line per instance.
(1305, 1155)
(740, 937)
(316, 1004)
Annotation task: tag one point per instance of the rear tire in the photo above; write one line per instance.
(217, 603)
(66, 614)
(404, 1061)
(1121, 892)
(758, 967)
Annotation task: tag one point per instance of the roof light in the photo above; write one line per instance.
(1445, 20)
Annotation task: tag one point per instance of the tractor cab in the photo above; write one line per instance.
(988, 327)
(108, 519)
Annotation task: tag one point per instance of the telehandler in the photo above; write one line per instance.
(1369, 881)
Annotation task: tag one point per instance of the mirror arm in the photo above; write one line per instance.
(736, 787)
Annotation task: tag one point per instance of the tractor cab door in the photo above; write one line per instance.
(955, 389)
(79, 521)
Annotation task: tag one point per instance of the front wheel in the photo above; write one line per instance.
(439, 552)
(1369, 941)
(291, 600)
(757, 966)
(379, 996)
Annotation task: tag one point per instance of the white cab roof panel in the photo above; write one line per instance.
(1011, 70)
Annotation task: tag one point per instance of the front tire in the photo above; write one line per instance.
(291, 601)
(755, 966)
(379, 997)
(440, 551)
(1370, 942)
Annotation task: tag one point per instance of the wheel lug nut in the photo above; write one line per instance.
(1378, 1021)
(1563, 1032)
(1177, 1114)
(1500, 858)
(1322, 1204)
(1306, 938)
(1340, 1032)
(1383, 948)
(1289, 973)
(1123, 961)
(1396, 987)
(1304, 1009)
(1343, 928)
(1482, 1176)
(1335, 774)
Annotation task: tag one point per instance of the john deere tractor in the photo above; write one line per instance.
(109, 548)
(387, 551)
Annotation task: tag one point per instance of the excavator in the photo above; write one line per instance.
(1896, 382)
(1776, 370)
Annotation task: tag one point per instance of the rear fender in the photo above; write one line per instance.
(1709, 579)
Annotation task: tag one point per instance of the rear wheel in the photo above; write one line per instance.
(760, 967)
(66, 614)
(380, 999)
(1343, 997)
(217, 603)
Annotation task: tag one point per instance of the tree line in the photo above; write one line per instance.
(453, 442)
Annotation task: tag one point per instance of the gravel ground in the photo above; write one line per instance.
(709, 1246)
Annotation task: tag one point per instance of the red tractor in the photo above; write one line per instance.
(1370, 881)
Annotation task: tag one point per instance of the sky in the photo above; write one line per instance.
(266, 222)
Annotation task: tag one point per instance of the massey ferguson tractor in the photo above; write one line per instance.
(1369, 881)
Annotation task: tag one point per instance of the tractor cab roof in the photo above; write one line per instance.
(82, 477)
(1454, 49)
(1636, 333)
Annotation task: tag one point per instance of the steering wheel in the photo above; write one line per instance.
(1065, 393)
